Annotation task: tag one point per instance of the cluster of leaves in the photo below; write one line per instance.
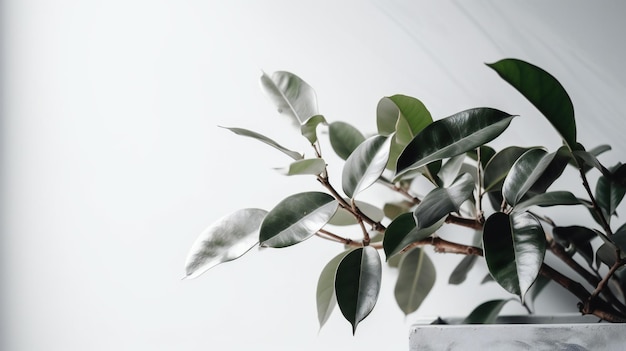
(451, 154)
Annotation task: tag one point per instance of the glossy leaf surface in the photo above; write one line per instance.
(415, 280)
(609, 194)
(450, 170)
(311, 166)
(514, 248)
(544, 92)
(498, 167)
(365, 165)
(525, 171)
(357, 284)
(441, 201)
(309, 127)
(452, 136)
(291, 95)
(344, 138)
(325, 296)
(266, 140)
(403, 231)
(296, 218)
(486, 313)
(413, 110)
(554, 198)
(225, 240)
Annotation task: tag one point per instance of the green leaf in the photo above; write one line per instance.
(412, 109)
(554, 198)
(553, 172)
(486, 154)
(266, 140)
(415, 280)
(403, 231)
(314, 166)
(459, 274)
(365, 165)
(344, 217)
(514, 248)
(544, 92)
(586, 158)
(441, 201)
(609, 194)
(225, 240)
(309, 127)
(452, 136)
(498, 167)
(576, 239)
(525, 171)
(486, 313)
(325, 296)
(296, 218)
(344, 138)
(357, 284)
(394, 209)
(619, 238)
(450, 170)
(291, 95)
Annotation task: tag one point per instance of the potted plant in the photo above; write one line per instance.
(498, 194)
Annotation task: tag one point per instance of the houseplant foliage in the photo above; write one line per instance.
(497, 193)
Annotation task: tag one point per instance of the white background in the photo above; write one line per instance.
(113, 161)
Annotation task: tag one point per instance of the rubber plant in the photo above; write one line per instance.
(497, 193)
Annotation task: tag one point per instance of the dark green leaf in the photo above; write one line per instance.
(459, 274)
(325, 296)
(268, 141)
(554, 170)
(576, 239)
(344, 138)
(309, 127)
(291, 95)
(486, 313)
(415, 280)
(498, 167)
(619, 238)
(587, 158)
(607, 254)
(225, 240)
(525, 171)
(543, 91)
(296, 218)
(514, 248)
(312, 166)
(402, 232)
(441, 201)
(554, 198)
(357, 284)
(609, 194)
(365, 165)
(452, 136)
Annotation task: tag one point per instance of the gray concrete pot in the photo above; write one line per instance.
(572, 333)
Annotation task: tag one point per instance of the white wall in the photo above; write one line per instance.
(113, 162)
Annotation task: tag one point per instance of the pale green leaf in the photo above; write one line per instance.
(312, 166)
(344, 138)
(344, 217)
(309, 127)
(416, 278)
(266, 140)
(325, 296)
(291, 95)
(486, 313)
(225, 240)
(439, 202)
